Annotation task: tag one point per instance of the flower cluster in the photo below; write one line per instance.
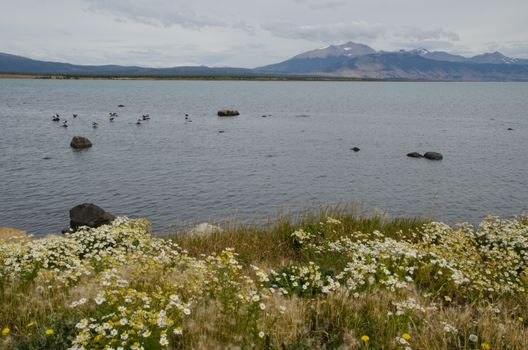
(304, 280)
(465, 262)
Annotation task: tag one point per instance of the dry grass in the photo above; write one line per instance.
(339, 319)
(271, 244)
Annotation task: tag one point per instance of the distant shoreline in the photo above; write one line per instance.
(234, 78)
(178, 77)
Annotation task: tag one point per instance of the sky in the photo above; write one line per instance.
(252, 33)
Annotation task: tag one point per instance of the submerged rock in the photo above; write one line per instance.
(80, 142)
(228, 113)
(414, 155)
(88, 214)
(204, 229)
(355, 149)
(433, 156)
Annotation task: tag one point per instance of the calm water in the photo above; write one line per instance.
(175, 172)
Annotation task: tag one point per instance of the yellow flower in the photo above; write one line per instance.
(406, 336)
(365, 338)
(520, 319)
(49, 331)
(485, 346)
(30, 324)
(5, 331)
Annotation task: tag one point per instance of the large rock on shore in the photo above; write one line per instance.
(433, 156)
(204, 229)
(228, 113)
(88, 214)
(80, 142)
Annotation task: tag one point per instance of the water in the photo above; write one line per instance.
(174, 172)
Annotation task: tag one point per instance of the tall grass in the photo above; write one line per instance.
(330, 279)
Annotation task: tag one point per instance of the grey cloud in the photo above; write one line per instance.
(323, 5)
(413, 33)
(163, 13)
(509, 48)
(327, 33)
(243, 26)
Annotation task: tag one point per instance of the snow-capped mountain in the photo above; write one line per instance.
(349, 49)
(352, 60)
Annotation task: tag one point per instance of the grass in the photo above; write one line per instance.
(271, 244)
(330, 279)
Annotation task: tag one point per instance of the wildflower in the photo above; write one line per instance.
(262, 306)
(473, 338)
(262, 334)
(5, 331)
(30, 324)
(163, 340)
(330, 220)
(406, 336)
(49, 331)
(520, 319)
(178, 331)
(365, 338)
(485, 346)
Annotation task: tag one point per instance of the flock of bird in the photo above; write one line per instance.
(111, 117)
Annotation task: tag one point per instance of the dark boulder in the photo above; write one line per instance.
(90, 215)
(414, 155)
(120, 106)
(433, 156)
(228, 113)
(80, 142)
(355, 149)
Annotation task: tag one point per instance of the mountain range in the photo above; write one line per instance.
(350, 60)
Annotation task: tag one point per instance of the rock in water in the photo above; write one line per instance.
(414, 155)
(80, 142)
(355, 149)
(204, 229)
(433, 156)
(228, 113)
(90, 215)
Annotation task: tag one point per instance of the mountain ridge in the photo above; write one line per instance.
(417, 64)
(349, 60)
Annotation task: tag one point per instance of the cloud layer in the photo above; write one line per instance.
(252, 33)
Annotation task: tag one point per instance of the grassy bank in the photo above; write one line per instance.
(329, 280)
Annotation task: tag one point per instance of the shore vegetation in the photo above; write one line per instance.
(329, 280)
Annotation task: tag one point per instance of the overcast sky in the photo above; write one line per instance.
(250, 33)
